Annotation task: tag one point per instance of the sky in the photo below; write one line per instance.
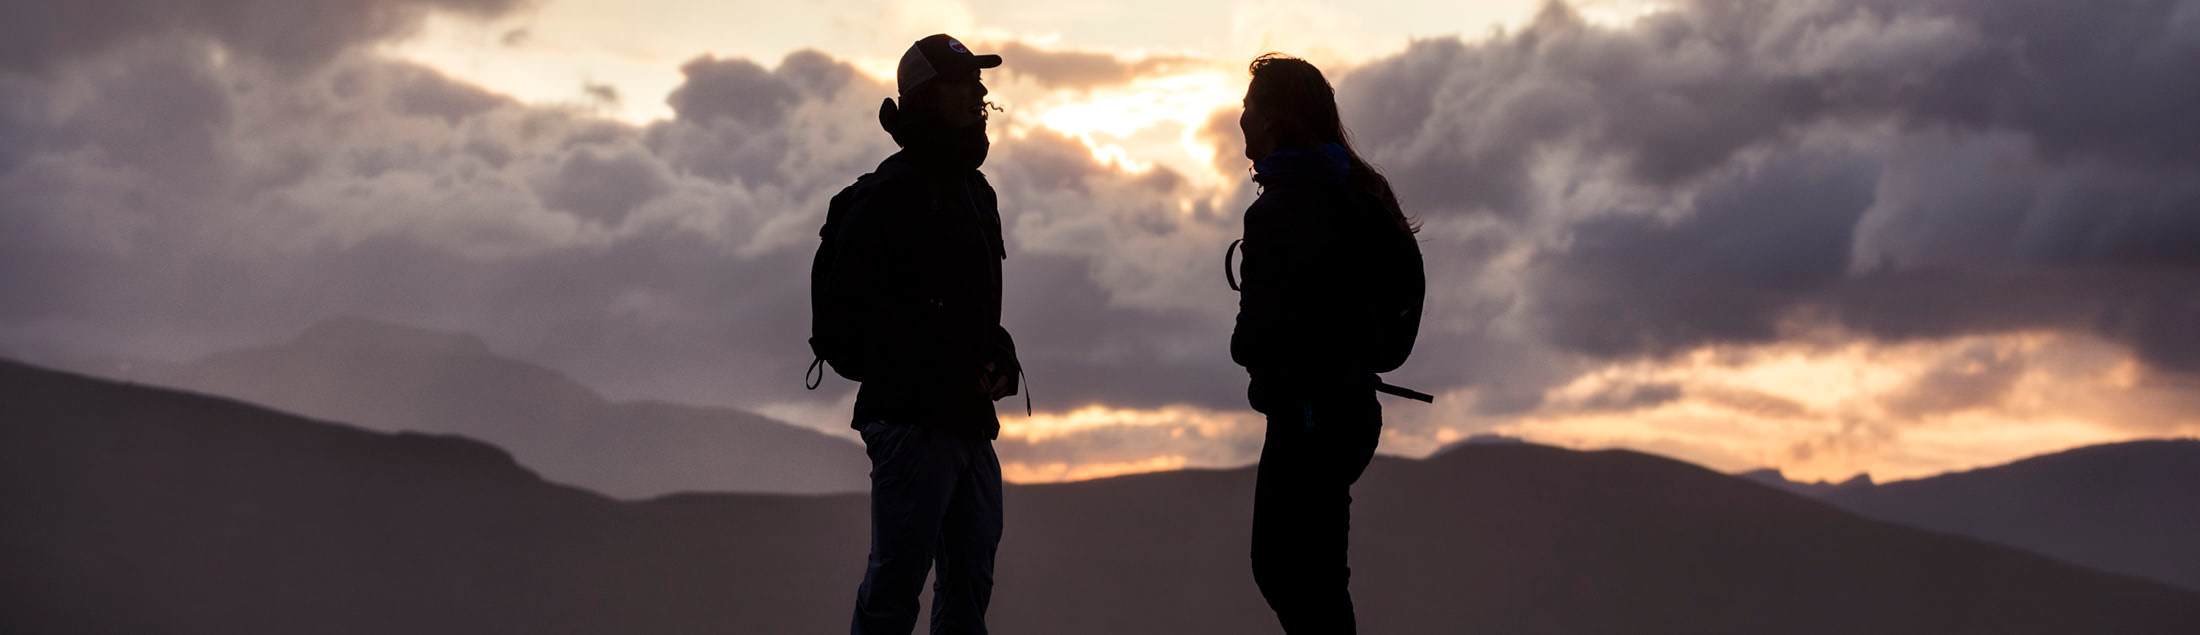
(1894, 237)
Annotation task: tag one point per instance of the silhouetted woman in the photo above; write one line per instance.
(1303, 334)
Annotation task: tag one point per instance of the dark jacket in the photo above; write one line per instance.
(1302, 323)
(921, 264)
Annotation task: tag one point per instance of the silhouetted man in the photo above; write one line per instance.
(912, 266)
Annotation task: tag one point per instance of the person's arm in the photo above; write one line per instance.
(1268, 261)
(1002, 369)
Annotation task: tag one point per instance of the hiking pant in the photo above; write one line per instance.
(934, 498)
(1302, 509)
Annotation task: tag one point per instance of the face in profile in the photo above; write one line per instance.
(959, 99)
(1259, 131)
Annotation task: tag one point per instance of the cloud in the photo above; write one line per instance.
(1729, 176)
(663, 260)
(419, 91)
(289, 33)
(1756, 240)
(1681, 91)
(1721, 169)
(604, 186)
(1978, 376)
(1078, 69)
(1733, 180)
(734, 89)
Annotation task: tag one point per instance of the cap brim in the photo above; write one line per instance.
(986, 61)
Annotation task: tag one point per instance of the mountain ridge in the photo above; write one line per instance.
(2128, 507)
(136, 508)
(397, 377)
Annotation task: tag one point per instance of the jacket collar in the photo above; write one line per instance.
(1326, 163)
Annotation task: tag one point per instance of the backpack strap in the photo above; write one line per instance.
(1229, 264)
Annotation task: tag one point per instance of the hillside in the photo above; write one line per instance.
(141, 510)
(2127, 507)
(391, 377)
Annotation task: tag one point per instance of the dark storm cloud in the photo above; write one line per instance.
(1713, 174)
(165, 118)
(172, 199)
(1757, 242)
(165, 203)
(2082, 79)
(1980, 200)
(604, 185)
(2150, 310)
(735, 89)
(1114, 296)
(1718, 172)
(292, 33)
(731, 121)
(1682, 91)
(1079, 350)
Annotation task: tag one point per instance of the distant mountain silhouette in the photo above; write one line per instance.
(138, 510)
(1773, 477)
(2125, 507)
(392, 377)
(1479, 438)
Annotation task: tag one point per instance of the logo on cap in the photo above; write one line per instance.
(935, 55)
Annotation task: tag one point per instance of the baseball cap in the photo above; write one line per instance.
(937, 55)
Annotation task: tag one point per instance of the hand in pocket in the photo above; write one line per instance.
(995, 382)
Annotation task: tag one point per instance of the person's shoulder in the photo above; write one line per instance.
(1286, 198)
(1271, 216)
(891, 177)
(983, 189)
(895, 171)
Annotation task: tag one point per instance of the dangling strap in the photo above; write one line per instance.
(1229, 263)
(1409, 393)
(815, 375)
(1027, 389)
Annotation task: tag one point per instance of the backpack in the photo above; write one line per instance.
(1399, 285)
(836, 338)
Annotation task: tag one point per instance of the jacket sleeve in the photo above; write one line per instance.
(1002, 352)
(1000, 347)
(1270, 259)
(1287, 293)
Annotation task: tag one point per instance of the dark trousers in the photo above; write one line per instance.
(1302, 509)
(934, 498)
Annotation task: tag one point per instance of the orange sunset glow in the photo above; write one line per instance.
(1100, 318)
(1152, 111)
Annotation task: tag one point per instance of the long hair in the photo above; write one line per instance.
(1304, 107)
